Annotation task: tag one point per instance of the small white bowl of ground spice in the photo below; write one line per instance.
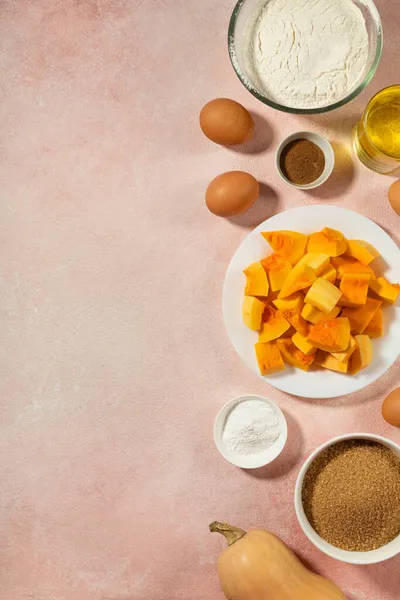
(250, 431)
(347, 498)
(305, 160)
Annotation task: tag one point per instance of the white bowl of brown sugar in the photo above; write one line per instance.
(347, 498)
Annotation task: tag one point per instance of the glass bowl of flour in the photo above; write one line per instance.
(305, 56)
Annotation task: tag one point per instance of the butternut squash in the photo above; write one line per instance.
(256, 281)
(292, 355)
(258, 566)
(330, 336)
(273, 325)
(277, 269)
(269, 358)
(288, 244)
(328, 241)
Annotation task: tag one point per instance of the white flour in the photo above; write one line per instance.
(306, 53)
(251, 427)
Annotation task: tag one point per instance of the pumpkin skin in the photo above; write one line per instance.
(259, 566)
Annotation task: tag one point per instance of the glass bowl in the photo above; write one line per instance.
(244, 9)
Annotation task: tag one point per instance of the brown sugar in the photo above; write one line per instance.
(351, 495)
(302, 161)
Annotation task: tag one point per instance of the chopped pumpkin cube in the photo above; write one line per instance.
(346, 264)
(328, 241)
(298, 279)
(313, 315)
(374, 329)
(360, 317)
(296, 320)
(303, 344)
(323, 295)
(288, 244)
(273, 325)
(293, 356)
(362, 251)
(385, 290)
(256, 280)
(331, 336)
(327, 361)
(317, 261)
(329, 273)
(345, 355)
(277, 269)
(252, 312)
(355, 289)
(362, 357)
(291, 308)
(293, 302)
(269, 358)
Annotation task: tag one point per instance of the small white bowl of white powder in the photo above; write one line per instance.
(305, 56)
(250, 431)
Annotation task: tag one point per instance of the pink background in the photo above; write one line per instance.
(114, 359)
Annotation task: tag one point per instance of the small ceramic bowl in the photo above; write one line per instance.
(319, 141)
(355, 558)
(249, 461)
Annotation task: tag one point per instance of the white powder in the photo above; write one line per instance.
(306, 53)
(251, 427)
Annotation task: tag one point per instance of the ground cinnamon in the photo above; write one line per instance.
(302, 161)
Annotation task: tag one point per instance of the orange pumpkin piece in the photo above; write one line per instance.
(303, 344)
(277, 269)
(288, 244)
(256, 281)
(299, 278)
(314, 316)
(346, 264)
(291, 308)
(355, 289)
(385, 290)
(293, 356)
(360, 317)
(344, 356)
(269, 358)
(316, 261)
(323, 295)
(273, 325)
(362, 251)
(362, 357)
(374, 328)
(328, 241)
(293, 302)
(329, 273)
(331, 336)
(252, 312)
(327, 361)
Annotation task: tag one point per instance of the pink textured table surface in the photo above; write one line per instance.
(114, 359)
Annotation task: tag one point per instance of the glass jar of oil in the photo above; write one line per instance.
(377, 136)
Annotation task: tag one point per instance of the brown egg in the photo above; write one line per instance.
(394, 196)
(391, 408)
(232, 193)
(226, 122)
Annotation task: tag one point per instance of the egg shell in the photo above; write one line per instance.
(394, 196)
(391, 408)
(232, 193)
(226, 122)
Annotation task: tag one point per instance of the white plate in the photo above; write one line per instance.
(307, 219)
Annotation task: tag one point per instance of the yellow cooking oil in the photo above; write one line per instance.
(377, 135)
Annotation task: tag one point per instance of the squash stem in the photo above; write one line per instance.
(232, 534)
